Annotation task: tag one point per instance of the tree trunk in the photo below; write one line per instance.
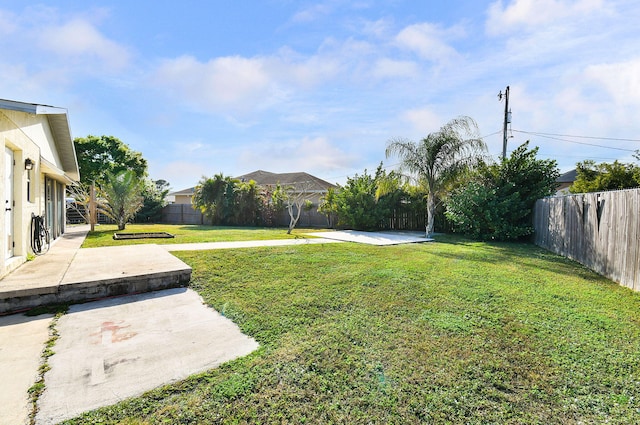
(121, 219)
(431, 212)
(293, 219)
(93, 214)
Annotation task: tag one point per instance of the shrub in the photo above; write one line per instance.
(498, 202)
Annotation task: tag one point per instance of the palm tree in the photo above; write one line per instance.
(211, 197)
(328, 206)
(123, 193)
(438, 159)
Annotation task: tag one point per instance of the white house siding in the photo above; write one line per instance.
(29, 135)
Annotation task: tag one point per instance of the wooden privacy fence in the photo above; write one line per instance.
(181, 214)
(186, 214)
(404, 220)
(399, 220)
(600, 230)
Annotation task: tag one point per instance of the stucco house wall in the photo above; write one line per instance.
(181, 197)
(41, 134)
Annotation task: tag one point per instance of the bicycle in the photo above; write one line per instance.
(40, 237)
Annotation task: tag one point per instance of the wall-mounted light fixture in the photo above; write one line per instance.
(28, 164)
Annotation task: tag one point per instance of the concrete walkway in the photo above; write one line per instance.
(244, 244)
(22, 340)
(374, 238)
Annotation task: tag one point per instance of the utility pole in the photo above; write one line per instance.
(507, 119)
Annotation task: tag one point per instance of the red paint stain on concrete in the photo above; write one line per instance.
(117, 335)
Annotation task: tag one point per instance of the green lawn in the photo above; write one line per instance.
(189, 233)
(447, 332)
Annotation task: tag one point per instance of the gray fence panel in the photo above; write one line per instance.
(182, 214)
(600, 230)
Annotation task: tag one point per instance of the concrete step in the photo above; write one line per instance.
(90, 274)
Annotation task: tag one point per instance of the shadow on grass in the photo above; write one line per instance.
(524, 253)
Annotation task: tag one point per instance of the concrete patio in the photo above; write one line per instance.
(68, 274)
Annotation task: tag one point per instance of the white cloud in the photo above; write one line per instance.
(226, 82)
(304, 71)
(309, 154)
(53, 52)
(620, 80)
(192, 147)
(7, 23)
(236, 86)
(378, 29)
(81, 40)
(521, 15)
(312, 13)
(389, 68)
(429, 41)
(423, 120)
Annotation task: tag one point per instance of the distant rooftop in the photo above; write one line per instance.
(266, 178)
(568, 177)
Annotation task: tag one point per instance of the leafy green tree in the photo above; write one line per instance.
(153, 194)
(485, 211)
(123, 194)
(359, 205)
(592, 177)
(329, 207)
(227, 208)
(248, 204)
(99, 155)
(272, 204)
(356, 203)
(308, 207)
(228, 201)
(497, 204)
(439, 159)
(211, 197)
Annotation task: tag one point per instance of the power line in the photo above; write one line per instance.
(492, 134)
(580, 137)
(545, 135)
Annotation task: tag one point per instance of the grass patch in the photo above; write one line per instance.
(103, 235)
(36, 390)
(451, 332)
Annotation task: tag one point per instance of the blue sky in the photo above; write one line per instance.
(202, 87)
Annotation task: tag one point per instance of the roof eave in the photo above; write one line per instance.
(64, 143)
(59, 122)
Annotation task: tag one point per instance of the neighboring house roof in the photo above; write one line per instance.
(568, 177)
(264, 178)
(183, 192)
(59, 124)
(565, 181)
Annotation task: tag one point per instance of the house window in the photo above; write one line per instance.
(29, 187)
